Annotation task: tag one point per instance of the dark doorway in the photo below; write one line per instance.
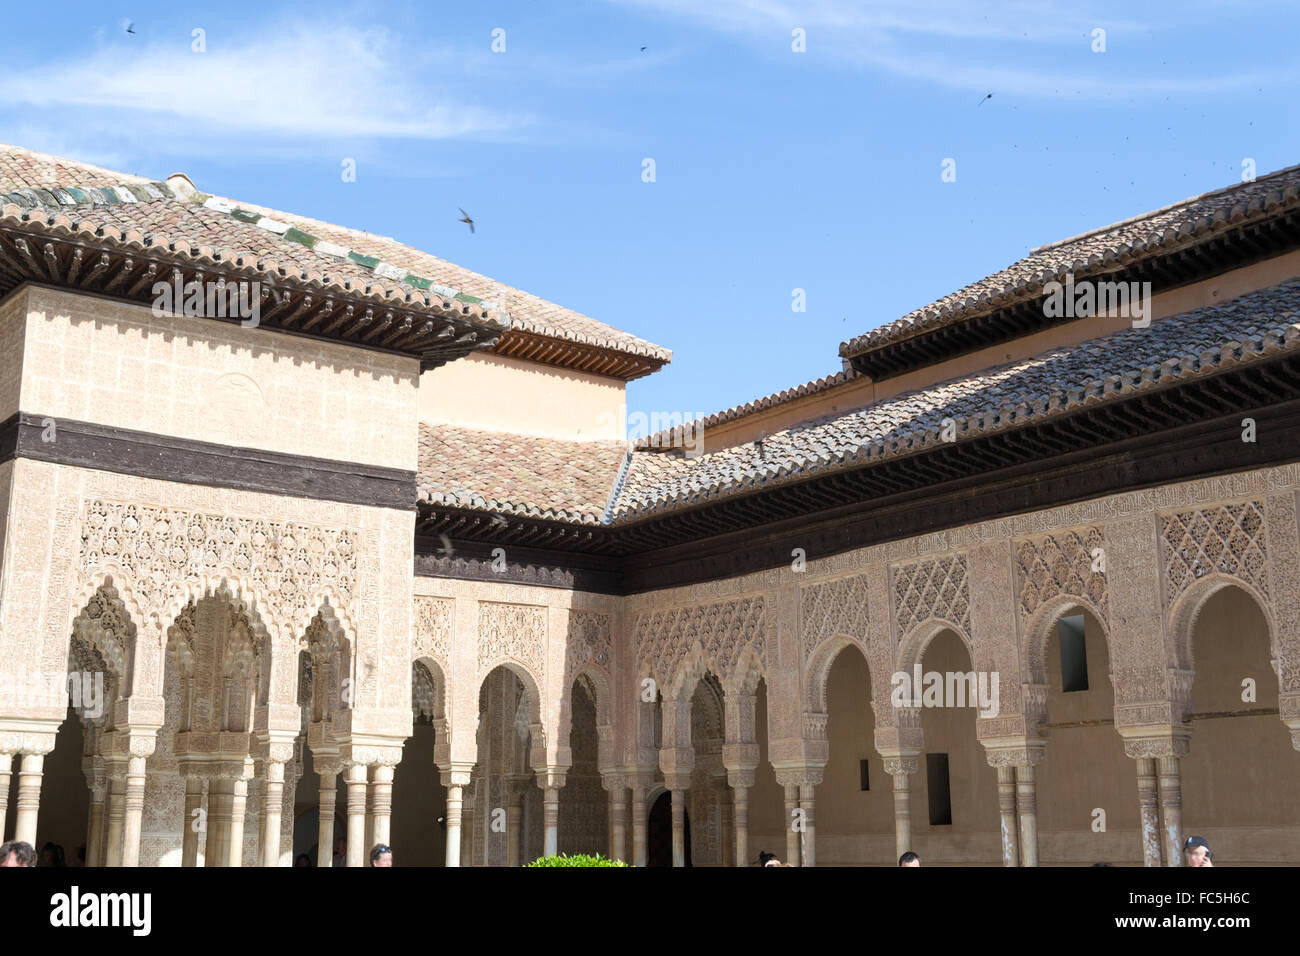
(659, 839)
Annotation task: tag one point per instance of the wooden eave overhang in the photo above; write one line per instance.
(1020, 313)
(560, 353)
(1183, 431)
(436, 332)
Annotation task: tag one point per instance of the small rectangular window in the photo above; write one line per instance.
(1074, 654)
(862, 772)
(936, 777)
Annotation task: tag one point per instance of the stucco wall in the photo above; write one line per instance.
(97, 360)
(510, 395)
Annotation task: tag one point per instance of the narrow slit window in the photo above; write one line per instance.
(864, 775)
(940, 797)
(1074, 654)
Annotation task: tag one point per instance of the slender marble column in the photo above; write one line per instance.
(216, 850)
(6, 769)
(728, 845)
(1007, 811)
(30, 772)
(901, 768)
(1171, 810)
(193, 822)
(95, 829)
(273, 798)
(238, 804)
(551, 819)
(1027, 809)
(514, 823)
(809, 841)
(638, 825)
(741, 800)
(355, 775)
(133, 818)
(116, 810)
(791, 834)
(1148, 811)
(467, 833)
(679, 826)
(381, 787)
(618, 813)
(327, 801)
(454, 797)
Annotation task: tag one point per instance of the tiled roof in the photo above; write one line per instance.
(1100, 251)
(776, 399)
(78, 196)
(518, 475)
(573, 481)
(1257, 325)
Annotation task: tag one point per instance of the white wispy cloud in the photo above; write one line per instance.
(299, 81)
(958, 44)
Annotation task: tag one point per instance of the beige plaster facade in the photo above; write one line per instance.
(275, 675)
(499, 393)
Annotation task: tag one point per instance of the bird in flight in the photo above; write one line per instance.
(643, 49)
(446, 550)
(130, 27)
(464, 217)
(981, 102)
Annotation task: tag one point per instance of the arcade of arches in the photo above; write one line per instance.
(236, 702)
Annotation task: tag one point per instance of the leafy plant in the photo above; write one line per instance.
(576, 859)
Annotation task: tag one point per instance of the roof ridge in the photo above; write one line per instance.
(637, 345)
(1023, 279)
(59, 197)
(761, 404)
(1222, 190)
(614, 492)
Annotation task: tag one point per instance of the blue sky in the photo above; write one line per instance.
(775, 170)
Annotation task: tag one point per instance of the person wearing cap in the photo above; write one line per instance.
(1196, 852)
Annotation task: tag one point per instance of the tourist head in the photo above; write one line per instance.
(381, 855)
(17, 853)
(302, 859)
(767, 859)
(52, 855)
(340, 846)
(1196, 852)
(909, 859)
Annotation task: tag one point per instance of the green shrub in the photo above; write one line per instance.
(577, 859)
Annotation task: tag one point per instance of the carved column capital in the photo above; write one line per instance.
(897, 765)
(550, 778)
(806, 775)
(1026, 752)
(26, 741)
(677, 781)
(457, 775)
(1155, 742)
(326, 763)
(740, 779)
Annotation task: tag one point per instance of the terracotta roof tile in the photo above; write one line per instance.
(41, 188)
(776, 399)
(1257, 325)
(521, 475)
